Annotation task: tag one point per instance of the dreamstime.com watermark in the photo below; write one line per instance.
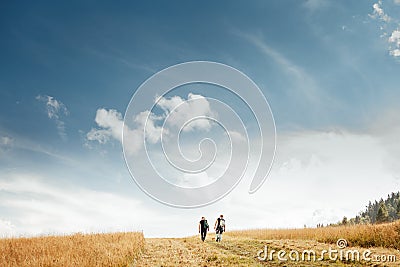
(334, 254)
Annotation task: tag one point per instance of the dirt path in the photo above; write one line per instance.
(189, 252)
(164, 252)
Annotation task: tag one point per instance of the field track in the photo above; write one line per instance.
(233, 251)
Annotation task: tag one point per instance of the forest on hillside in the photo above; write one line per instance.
(381, 211)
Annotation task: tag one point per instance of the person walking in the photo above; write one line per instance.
(203, 228)
(219, 227)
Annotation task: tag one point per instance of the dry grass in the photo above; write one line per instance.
(243, 251)
(381, 235)
(114, 249)
(239, 248)
(189, 252)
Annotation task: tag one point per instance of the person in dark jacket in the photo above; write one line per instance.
(203, 228)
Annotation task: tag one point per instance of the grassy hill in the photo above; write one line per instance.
(238, 248)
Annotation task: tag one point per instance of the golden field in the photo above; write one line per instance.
(238, 248)
(376, 235)
(241, 248)
(116, 249)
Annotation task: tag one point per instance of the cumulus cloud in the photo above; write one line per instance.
(149, 120)
(379, 12)
(395, 52)
(388, 23)
(55, 111)
(394, 39)
(182, 111)
(110, 123)
(175, 109)
(110, 126)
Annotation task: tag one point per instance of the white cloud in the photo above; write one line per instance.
(379, 12)
(112, 120)
(111, 124)
(148, 119)
(176, 109)
(99, 135)
(395, 52)
(55, 110)
(388, 22)
(168, 104)
(395, 40)
(37, 207)
(318, 177)
(181, 111)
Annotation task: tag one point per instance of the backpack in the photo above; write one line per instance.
(206, 226)
(222, 222)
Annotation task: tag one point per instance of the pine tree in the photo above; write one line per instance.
(391, 210)
(357, 220)
(398, 209)
(383, 214)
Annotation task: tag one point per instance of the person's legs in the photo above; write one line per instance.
(203, 235)
(218, 239)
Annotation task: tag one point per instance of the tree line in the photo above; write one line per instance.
(381, 211)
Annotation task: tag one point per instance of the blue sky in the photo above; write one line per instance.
(329, 70)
